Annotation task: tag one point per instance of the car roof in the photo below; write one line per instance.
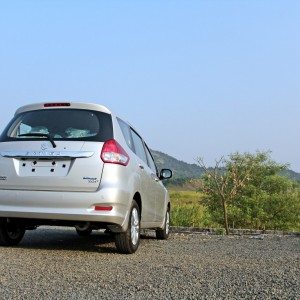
(68, 104)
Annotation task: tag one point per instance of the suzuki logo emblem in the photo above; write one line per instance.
(44, 146)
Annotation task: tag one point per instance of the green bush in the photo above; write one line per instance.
(253, 193)
(276, 205)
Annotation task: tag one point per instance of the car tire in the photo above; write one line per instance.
(128, 242)
(163, 234)
(11, 233)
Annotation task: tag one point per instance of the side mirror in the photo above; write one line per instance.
(165, 174)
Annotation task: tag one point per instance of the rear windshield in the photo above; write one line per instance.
(60, 124)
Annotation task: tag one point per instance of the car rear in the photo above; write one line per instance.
(52, 158)
(70, 164)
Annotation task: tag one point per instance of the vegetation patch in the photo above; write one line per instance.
(187, 210)
(244, 191)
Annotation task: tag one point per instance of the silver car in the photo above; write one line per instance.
(77, 164)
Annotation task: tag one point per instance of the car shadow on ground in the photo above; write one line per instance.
(147, 237)
(67, 239)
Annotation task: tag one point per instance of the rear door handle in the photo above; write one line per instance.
(141, 167)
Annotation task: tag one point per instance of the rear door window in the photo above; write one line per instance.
(151, 162)
(139, 146)
(126, 133)
(60, 124)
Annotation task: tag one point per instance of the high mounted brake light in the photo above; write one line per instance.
(113, 153)
(56, 104)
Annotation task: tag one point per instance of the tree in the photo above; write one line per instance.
(247, 189)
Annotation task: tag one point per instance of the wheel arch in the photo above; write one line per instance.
(138, 199)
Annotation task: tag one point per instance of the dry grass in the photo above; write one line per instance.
(187, 210)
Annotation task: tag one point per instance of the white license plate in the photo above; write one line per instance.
(43, 167)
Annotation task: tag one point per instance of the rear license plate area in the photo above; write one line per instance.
(44, 167)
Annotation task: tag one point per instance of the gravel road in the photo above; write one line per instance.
(57, 264)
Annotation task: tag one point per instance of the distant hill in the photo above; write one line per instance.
(183, 171)
(291, 174)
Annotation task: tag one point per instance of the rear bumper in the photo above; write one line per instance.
(68, 206)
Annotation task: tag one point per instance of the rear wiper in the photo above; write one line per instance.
(48, 136)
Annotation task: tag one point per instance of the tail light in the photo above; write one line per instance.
(113, 153)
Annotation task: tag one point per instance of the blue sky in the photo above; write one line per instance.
(197, 78)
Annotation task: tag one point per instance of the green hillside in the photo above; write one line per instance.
(181, 169)
(293, 175)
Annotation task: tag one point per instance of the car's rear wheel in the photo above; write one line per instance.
(163, 234)
(128, 242)
(11, 232)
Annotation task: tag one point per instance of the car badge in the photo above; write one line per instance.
(44, 146)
